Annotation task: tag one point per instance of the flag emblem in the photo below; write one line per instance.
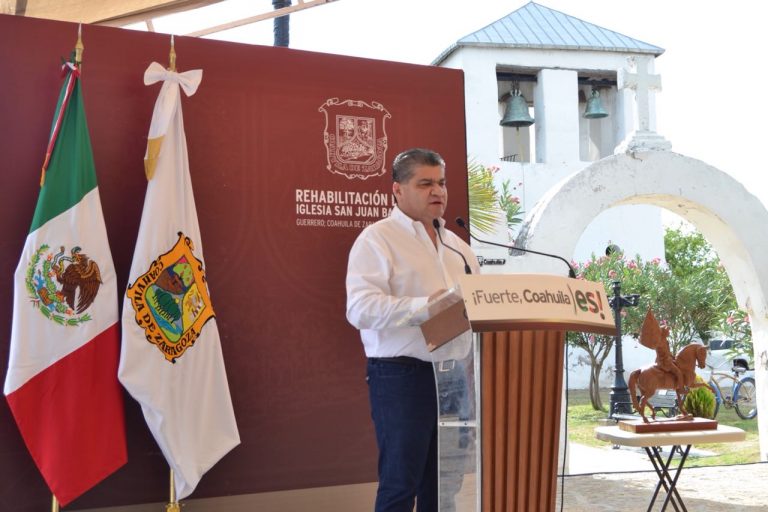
(170, 300)
(355, 137)
(61, 285)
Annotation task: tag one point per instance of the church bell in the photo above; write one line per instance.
(516, 112)
(595, 108)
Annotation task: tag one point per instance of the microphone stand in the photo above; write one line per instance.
(463, 225)
(436, 225)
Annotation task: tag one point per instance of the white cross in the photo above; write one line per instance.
(640, 82)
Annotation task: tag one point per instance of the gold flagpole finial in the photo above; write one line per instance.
(79, 45)
(54, 504)
(172, 57)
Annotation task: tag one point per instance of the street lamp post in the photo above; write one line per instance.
(620, 401)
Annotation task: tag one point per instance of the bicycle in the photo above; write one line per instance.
(741, 394)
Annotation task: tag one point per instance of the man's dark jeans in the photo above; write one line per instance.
(404, 412)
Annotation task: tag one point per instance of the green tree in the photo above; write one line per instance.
(691, 295)
(735, 325)
(704, 296)
(687, 251)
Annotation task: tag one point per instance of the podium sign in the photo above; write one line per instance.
(536, 301)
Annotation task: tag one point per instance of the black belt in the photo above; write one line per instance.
(442, 366)
(404, 360)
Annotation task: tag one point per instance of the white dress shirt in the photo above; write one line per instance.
(393, 269)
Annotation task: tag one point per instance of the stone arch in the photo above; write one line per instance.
(734, 221)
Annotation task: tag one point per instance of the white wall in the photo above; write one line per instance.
(557, 127)
(634, 356)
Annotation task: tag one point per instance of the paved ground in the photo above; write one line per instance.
(601, 480)
(604, 479)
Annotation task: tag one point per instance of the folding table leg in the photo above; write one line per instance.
(673, 483)
(665, 480)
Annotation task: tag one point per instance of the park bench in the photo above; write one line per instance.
(665, 402)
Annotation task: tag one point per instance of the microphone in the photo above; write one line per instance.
(436, 224)
(571, 272)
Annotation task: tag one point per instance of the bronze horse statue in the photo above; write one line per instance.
(651, 378)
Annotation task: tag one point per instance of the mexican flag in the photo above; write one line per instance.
(171, 360)
(62, 385)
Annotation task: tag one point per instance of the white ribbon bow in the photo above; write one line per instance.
(168, 99)
(188, 80)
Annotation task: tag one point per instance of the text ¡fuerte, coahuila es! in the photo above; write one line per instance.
(510, 297)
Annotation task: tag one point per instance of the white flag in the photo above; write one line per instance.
(171, 360)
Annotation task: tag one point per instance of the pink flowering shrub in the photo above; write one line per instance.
(690, 295)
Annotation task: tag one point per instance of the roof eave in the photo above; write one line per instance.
(445, 54)
(656, 52)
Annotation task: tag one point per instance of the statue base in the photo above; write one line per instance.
(667, 425)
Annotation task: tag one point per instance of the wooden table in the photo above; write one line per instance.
(651, 443)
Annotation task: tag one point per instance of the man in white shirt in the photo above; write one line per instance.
(395, 267)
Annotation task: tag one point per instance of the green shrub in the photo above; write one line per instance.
(700, 401)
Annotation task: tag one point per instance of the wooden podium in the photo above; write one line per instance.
(510, 387)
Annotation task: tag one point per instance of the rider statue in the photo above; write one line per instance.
(655, 337)
(678, 373)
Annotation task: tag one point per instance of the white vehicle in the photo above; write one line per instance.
(721, 357)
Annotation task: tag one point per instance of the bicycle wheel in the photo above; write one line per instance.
(744, 398)
(718, 397)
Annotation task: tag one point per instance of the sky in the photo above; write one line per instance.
(713, 105)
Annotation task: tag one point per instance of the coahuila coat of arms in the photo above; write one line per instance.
(355, 137)
(171, 301)
(63, 286)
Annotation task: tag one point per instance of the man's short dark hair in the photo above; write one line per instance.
(404, 164)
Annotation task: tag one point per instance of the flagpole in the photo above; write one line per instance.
(172, 57)
(54, 504)
(79, 48)
(173, 505)
(79, 45)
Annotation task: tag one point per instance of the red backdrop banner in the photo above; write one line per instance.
(290, 157)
